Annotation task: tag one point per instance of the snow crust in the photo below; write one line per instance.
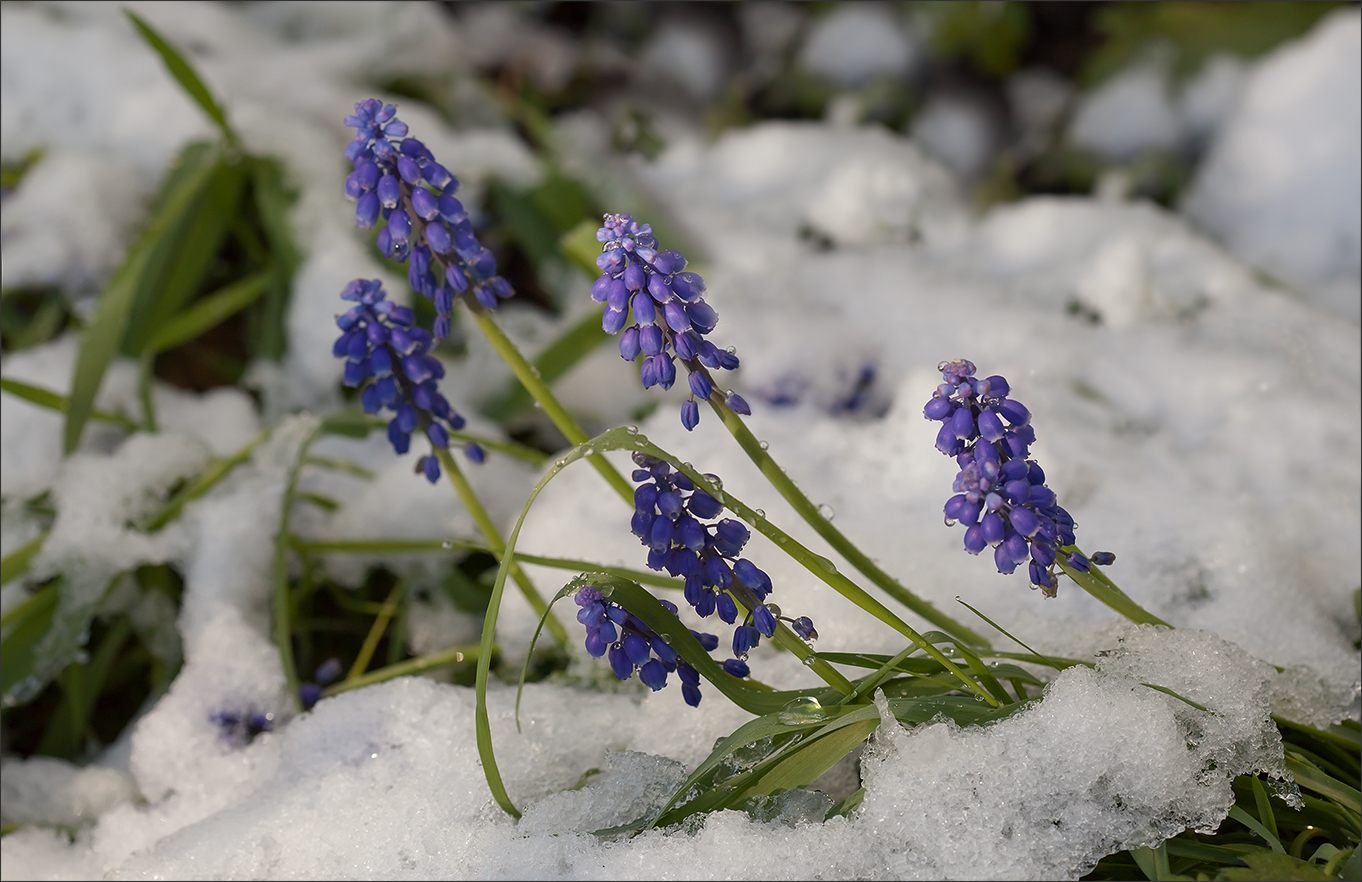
(1282, 185)
(1197, 420)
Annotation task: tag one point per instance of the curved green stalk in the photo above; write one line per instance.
(405, 668)
(380, 546)
(535, 385)
(806, 509)
(495, 543)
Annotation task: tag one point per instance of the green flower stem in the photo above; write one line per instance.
(404, 669)
(1098, 585)
(535, 385)
(805, 508)
(280, 600)
(216, 471)
(495, 543)
(380, 546)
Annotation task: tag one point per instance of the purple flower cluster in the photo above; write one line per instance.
(1001, 496)
(613, 631)
(382, 345)
(671, 317)
(675, 519)
(400, 182)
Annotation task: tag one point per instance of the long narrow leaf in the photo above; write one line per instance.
(15, 564)
(184, 74)
(52, 401)
(210, 311)
(107, 327)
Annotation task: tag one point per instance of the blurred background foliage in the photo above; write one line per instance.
(204, 288)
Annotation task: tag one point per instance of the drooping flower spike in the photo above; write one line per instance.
(671, 317)
(631, 646)
(1001, 497)
(399, 181)
(386, 352)
(677, 521)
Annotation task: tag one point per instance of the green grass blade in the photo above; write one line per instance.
(272, 202)
(410, 667)
(15, 564)
(108, 326)
(1311, 778)
(25, 631)
(1251, 822)
(184, 74)
(195, 247)
(216, 471)
(283, 634)
(209, 311)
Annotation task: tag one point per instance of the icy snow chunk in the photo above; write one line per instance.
(857, 42)
(757, 190)
(234, 528)
(99, 501)
(1282, 184)
(69, 221)
(1127, 115)
(633, 785)
(1102, 763)
(45, 790)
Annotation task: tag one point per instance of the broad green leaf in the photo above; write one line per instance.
(184, 74)
(16, 650)
(802, 767)
(130, 284)
(1269, 866)
(209, 311)
(1311, 778)
(16, 562)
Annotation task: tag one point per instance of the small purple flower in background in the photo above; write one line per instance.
(239, 728)
(630, 645)
(676, 520)
(381, 344)
(1001, 497)
(401, 183)
(671, 317)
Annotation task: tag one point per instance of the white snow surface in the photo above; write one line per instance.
(1282, 185)
(1194, 419)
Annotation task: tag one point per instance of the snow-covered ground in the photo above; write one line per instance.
(1197, 417)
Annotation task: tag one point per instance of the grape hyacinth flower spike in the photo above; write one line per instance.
(1001, 497)
(387, 353)
(630, 645)
(397, 180)
(671, 317)
(677, 521)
